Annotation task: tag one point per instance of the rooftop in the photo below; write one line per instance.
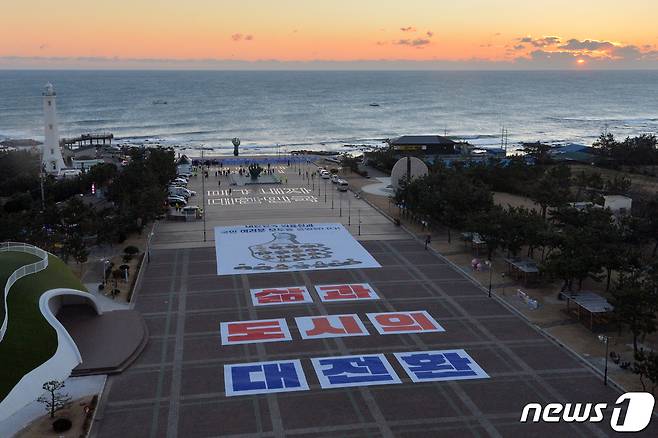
(428, 140)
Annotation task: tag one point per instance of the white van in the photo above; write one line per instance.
(342, 185)
(193, 210)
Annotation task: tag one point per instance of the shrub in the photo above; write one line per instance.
(61, 425)
(132, 250)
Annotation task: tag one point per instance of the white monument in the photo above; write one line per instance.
(51, 156)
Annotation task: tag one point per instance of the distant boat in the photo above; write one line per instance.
(159, 102)
(374, 104)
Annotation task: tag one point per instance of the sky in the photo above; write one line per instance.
(329, 34)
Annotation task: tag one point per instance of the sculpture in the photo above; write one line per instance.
(255, 170)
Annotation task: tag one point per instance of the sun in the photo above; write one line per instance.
(580, 61)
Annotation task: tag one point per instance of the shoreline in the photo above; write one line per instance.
(194, 150)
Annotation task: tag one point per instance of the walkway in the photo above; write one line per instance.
(108, 343)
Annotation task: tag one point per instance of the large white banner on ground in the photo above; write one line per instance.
(288, 247)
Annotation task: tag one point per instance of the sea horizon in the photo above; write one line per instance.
(285, 110)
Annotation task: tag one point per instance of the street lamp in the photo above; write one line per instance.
(325, 191)
(606, 340)
(105, 263)
(349, 206)
(359, 212)
(490, 266)
(148, 247)
(332, 198)
(340, 205)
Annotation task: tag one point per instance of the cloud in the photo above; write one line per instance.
(43, 46)
(596, 53)
(627, 52)
(651, 55)
(408, 29)
(240, 37)
(429, 34)
(588, 45)
(540, 42)
(417, 43)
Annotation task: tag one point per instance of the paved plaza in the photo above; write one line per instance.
(177, 386)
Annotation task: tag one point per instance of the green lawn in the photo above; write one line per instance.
(9, 262)
(30, 340)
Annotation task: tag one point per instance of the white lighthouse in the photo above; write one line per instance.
(51, 156)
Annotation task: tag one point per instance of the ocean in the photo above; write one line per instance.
(327, 110)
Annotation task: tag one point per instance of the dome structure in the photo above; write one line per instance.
(407, 168)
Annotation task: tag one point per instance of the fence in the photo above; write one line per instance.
(20, 272)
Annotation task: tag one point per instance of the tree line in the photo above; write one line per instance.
(64, 222)
(571, 244)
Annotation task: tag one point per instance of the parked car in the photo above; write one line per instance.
(334, 179)
(179, 194)
(325, 175)
(174, 201)
(343, 185)
(181, 191)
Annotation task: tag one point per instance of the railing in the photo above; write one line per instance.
(20, 272)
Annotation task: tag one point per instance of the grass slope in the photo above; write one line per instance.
(9, 262)
(30, 340)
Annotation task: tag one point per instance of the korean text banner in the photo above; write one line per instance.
(288, 247)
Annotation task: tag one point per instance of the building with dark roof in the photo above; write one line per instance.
(425, 144)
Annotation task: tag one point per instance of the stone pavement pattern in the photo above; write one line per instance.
(176, 387)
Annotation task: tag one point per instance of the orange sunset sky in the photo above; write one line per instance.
(420, 33)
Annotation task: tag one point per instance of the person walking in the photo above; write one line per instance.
(428, 240)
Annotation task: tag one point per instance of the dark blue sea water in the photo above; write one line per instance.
(325, 110)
